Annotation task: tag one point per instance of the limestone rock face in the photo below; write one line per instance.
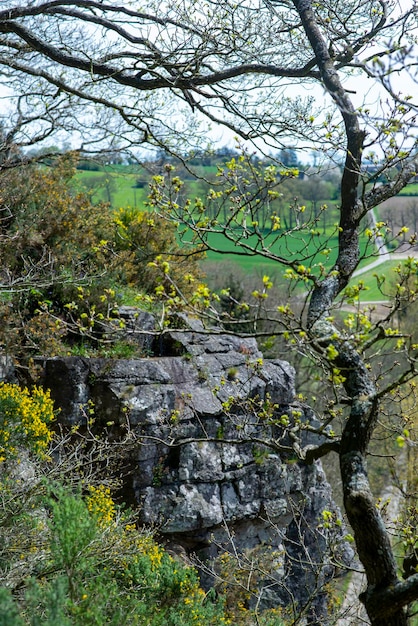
(7, 372)
(200, 472)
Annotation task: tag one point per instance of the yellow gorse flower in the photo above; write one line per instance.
(24, 420)
(100, 504)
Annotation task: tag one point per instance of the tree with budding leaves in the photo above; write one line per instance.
(336, 77)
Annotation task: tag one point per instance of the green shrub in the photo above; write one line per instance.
(94, 567)
(146, 236)
(70, 557)
(69, 262)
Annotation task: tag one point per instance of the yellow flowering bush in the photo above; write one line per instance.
(96, 567)
(24, 420)
(152, 251)
(146, 545)
(86, 260)
(101, 505)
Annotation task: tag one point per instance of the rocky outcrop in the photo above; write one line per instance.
(200, 410)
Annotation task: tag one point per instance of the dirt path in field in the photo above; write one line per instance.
(384, 254)
(380, 307)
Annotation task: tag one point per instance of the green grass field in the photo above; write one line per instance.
(410, 190)
(384, 271)
(117, 186)
(301, 247)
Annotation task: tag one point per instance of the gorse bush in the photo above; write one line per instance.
(101, 505)
(89, 565)
(70, 263)
(145, 235)
(25, 418)
(73, 559)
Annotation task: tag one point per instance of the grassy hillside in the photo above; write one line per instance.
(410, 190)
(128, 185)
(113, 186)
(123, 186)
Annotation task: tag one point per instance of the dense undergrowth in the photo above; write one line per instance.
(70, 555)
(67, 265)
